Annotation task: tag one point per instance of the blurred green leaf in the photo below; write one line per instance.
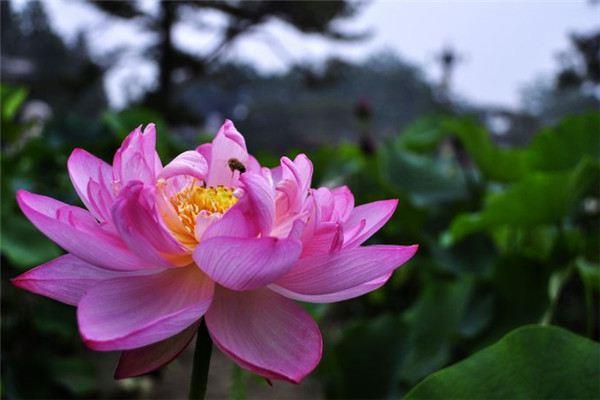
(424, 135)
(537, 242)
(421, 177)
(24, 245)
(11, 97)
(362, 363)
(333, 165)
(589, 272)
(478, 314)
(563, 146)
(520, 288)
(433, 321)
(530, 362)
(502, 165)
(75, 374)
(555, 148)
(11, 100)
(538, 199)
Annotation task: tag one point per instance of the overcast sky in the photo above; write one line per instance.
(503, 44)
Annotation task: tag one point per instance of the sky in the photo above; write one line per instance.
(503, 45)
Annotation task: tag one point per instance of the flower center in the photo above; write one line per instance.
(192, 200)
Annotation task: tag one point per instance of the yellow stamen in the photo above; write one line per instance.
(189, 202)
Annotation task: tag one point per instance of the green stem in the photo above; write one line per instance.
(201, 363)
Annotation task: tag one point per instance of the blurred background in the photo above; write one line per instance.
(481, 117)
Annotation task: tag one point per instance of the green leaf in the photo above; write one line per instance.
(434, 321)
(563, 146)
(75, 374)
(520, 288)
(424, 135)
(424, 179)
(24, 245)
(502, 165)
(538, 199)
(541, 362)
(12, 98)
(589, 273)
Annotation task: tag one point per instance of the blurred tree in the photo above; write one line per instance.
(582, 62)
(241, 18)
(574, 87)
(63, 76)
(273, 110)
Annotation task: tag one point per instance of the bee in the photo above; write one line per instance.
(236, 165)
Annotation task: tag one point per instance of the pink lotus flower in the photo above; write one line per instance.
(211, 234)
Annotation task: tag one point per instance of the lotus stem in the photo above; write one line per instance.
(201, 365)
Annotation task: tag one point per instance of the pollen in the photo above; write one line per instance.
(194, 199)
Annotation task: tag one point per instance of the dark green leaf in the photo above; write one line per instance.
(365, 347)
(541, 362)
(433, 321)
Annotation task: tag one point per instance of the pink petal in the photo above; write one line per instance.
(265, 333)
(137, 221)
(146, 359)
(325, 203)
(76, 231)
(228, 144)
(137, 158)
(252, 165)
(232, 224)
(246, 263)
(374, 215)
(343, 202)
(64, 279)
(205, 150)
(132, 312)
(347, 269)
(259, 200)
(295, 181)
(326, 239)
(100, 202)
(346, 294)
(86, 170)
(190, 163)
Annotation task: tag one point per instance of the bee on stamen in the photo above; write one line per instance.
(236, 165)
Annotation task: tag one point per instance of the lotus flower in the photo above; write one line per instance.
(212, 234)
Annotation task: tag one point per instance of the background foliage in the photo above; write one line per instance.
(501, 300)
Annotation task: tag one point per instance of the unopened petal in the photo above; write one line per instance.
(137, 158)
(85, 169)
(228, 145)
(190, 163)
